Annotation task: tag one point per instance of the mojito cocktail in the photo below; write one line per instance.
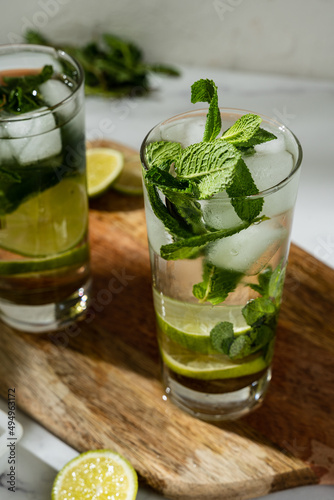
(44, 266)
(220, 190)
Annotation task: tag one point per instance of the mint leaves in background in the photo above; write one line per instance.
(198, 172)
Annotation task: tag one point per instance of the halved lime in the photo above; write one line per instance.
(99, 474)
(210, 367)
(104, 165)
(75, 256)
(130, 180)
(51, 222)
(191, 337)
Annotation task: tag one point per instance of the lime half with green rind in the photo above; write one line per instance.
(104, 165)
(100, 474)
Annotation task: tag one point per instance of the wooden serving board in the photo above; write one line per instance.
(97, 385)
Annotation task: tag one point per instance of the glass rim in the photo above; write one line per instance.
(58, 54)
(276, 123)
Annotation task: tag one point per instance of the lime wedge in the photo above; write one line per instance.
(99, 474)
(103, 167)
(51, 222)
(190, 338)
(76, 256)
(130, 180)
(210, 367)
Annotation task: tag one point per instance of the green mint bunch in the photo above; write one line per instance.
(21, 94)
(198, 172)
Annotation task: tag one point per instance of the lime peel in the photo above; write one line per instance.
(100, 474)
(198, 342)
(190, 366)
(72, 257)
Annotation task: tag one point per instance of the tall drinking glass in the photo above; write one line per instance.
(44, 255)
(217, 299)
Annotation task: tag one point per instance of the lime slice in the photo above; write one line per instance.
(51, 222)
(190, 338)
(130, 180)
(211, 367)
(99, 474)
(103, 167)
(76, 256)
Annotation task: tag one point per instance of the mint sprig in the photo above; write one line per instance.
(187, 175)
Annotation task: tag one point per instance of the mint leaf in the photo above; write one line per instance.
(243, 185)
(188, 210)
(206, 91)
(259, 310)
(162, 154)
(243, 130)
(173, 226)
(259, 137)
(183, 247)
(201, 159)
(222, 336)
(246, 132)
(276, 283)
(181, 207)
(210, 165)
(241, 347)
(216, 285)
(264, 279)
(166, 182)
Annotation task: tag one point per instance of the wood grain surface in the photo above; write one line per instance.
(97, 384)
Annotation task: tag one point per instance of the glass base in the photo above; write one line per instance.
(47, 317)
(217, 407)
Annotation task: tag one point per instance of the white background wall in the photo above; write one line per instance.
(293, 37)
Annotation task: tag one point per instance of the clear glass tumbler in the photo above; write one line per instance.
(216, 347)
(44, 254)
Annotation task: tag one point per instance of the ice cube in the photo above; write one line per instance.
(250, 250)
(54, 92)
(269, 169)
(33, 139)
(218, 213)
(282, 200)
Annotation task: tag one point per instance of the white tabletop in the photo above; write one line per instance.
(307, 107)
